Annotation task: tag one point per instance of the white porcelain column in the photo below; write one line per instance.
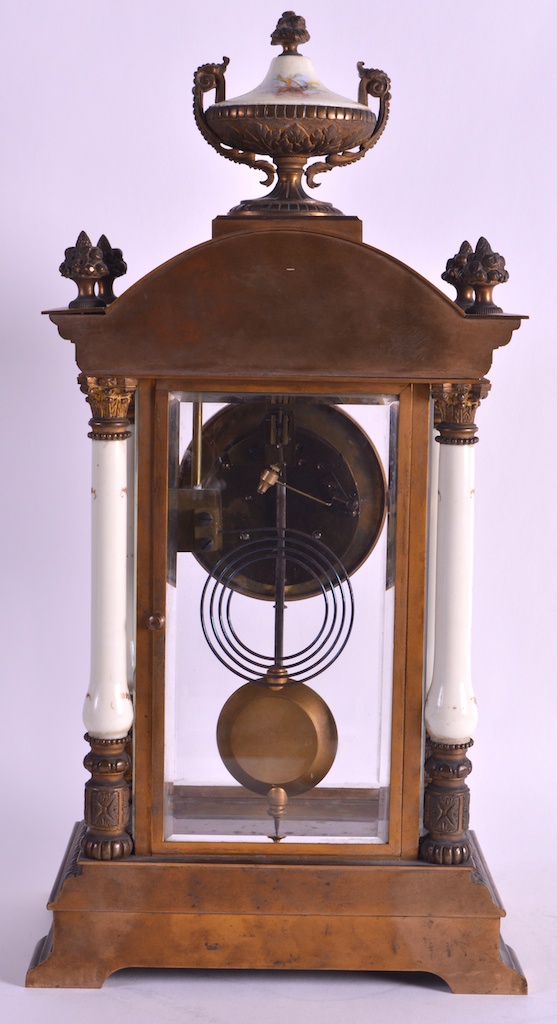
(450, 709)
(451, 712)
(433, 504)
(130, 551)
(108, 710)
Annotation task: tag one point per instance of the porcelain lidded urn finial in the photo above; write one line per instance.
(290, 117)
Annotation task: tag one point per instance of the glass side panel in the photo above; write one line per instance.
(280, 619)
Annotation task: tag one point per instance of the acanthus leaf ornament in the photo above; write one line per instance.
(110, 399)
(456, 406)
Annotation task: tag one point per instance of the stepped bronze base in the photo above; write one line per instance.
(296, 204)
(402, 916)
(288, 196)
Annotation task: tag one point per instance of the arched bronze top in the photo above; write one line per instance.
(280, 304)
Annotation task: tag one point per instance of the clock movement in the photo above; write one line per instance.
(280, 705)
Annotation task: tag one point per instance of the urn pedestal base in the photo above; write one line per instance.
(397, 916)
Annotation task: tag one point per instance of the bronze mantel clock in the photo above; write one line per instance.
(280, 704)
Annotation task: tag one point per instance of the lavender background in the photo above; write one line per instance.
(98, 134)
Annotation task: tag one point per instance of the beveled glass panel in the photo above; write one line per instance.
(280, 619)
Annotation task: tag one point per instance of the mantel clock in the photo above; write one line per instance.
(280, 705)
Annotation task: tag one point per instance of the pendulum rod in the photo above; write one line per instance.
(276, 797)
(279, 429)
(197, 429)
(280, 572)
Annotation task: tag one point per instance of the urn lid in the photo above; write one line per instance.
(292, 78)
